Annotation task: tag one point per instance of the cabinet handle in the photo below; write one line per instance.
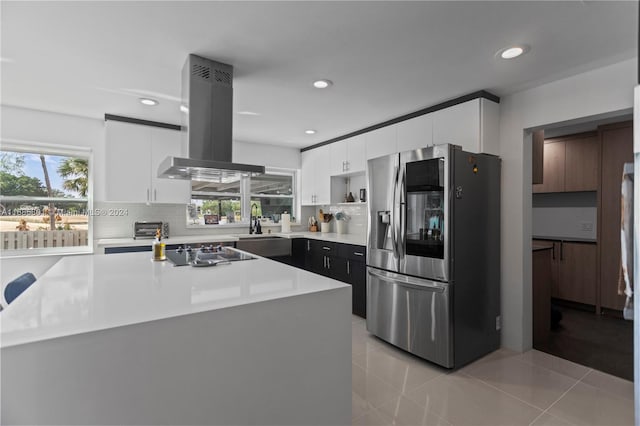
(553, 252)
(347, 165)
(324, 262)
(328, 263)
(308, 245)
(348, 268)
(326, 248)
(357, 253)
(561, 250)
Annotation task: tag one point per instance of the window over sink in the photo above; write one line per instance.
(266, 196)
(45, 199)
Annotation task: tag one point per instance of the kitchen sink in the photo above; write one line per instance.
(264, 245)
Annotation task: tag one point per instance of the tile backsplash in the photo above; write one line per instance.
(175, 214)
(357, 213)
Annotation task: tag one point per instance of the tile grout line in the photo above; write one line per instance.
(519, 358)
(562, 396)
(402, 392)
(503, 391)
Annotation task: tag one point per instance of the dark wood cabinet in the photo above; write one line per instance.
(578, 274)
(537, 172)
(541, 280)
(572, 271)
(570, 164)
(554, 265)
(581, 166)
(617, 149)
(553, 168)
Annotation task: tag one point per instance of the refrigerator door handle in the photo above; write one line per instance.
(403, 216)
(394, 218)
(408, 281)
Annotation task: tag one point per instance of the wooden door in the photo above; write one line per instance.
(617, 149)
(581, 166)
(553, 168)
(578, 272)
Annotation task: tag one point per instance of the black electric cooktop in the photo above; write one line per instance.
(205, 256)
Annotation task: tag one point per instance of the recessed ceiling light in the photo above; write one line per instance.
(148, 101)
(310, 132)
(513, 52)
(322, 84)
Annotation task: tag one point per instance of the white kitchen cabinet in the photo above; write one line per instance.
(348, 156)
(472, 125)
(383, 141)
(133, 154)
(165, 143)
(315, 176)
(415, 133)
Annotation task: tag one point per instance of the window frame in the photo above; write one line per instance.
(246, 194)
(30, 147)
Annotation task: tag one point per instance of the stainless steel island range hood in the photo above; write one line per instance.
(207, 117)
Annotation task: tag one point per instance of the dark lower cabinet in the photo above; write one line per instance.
(357, 277)
(343, 262)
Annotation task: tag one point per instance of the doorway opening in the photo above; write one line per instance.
(578, 308)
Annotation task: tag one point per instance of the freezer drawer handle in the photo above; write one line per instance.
(357, 253)
(409, 282)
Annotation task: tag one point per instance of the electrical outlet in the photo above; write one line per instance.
(586, 226)
(498, 323)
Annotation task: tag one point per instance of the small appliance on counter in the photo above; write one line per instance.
(147, 230)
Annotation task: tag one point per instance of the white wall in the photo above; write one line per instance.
(583, 97)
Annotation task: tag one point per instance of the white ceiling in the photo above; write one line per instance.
(385, 58)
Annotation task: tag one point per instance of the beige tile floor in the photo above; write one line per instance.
(391, 387)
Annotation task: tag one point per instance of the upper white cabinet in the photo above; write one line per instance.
(473, 125)
(133, 154)
(348, 156)
(383, 141)
(315, 176)
(415, 133)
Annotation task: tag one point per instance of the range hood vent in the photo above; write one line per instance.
(207, 117)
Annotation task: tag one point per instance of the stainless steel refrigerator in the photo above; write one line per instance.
(433, 258)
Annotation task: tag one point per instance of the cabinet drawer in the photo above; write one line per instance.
(352, 252)
(317, 246)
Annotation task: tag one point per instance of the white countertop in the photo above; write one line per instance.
(356, 239)
(82, 294)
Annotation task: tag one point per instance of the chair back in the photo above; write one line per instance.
(18, 285)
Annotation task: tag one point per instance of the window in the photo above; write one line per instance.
(266, 196)
(44, 200)
(214, 203)
(272, 195)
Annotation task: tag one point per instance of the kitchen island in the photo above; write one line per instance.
(120, 339)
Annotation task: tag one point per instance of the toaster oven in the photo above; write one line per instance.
(147, 230)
